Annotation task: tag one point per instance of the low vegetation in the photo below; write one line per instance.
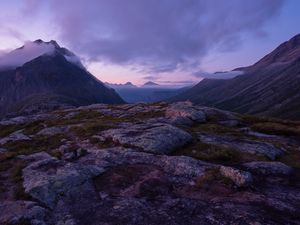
(212, 176)
(208, 152)
(37, 144)
(272, 125)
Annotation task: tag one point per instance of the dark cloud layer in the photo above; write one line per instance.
(159, 35)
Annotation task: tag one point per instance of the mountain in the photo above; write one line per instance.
(42, 75)
(270, 87)
(147, 93)
(150, 83)
(129, 84)
(119, 86)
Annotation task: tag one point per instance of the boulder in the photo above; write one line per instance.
(15, 136)
(155, 138)
(50, 131)
(183, 113)
(2, 150)
(181, 166)
(37, 157)
(242, 145)
(22, 212)
(238, 177)
(269, 168)
(49, 180)
(229, 123)
(217, 115)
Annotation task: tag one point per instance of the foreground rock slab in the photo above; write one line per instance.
(16, 136)
(184, 113)
(155, 138)
(240, 178)
(22, 212)
(267, 168)
(243, 145)
(148, 164)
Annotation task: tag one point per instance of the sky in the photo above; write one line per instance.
(174, 42)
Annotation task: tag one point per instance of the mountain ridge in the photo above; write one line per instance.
(52, 75)
(268, 87)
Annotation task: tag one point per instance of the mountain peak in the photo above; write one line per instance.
(52, 42)
(150, 83)
(35, 49)
(287, 52)
(129, 83)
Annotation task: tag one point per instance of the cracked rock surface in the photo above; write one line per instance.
(148, 164)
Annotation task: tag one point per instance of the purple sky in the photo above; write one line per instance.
(161, 40)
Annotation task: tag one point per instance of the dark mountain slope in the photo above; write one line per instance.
(270, 87)
(50, 81)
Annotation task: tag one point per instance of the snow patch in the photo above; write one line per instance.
(220, 75)
(25, 54)
(74, 60)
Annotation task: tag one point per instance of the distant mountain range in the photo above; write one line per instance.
(42, 76)
(148, 92)
(118, 86)
(270, 87)
(150, 83)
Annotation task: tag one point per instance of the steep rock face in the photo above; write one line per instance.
(49, 81)
(270, 87)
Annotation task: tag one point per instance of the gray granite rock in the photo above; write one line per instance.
(243, 145)
(47, 180)
(15, 136)
(17, 212)
(49, 131)
(268, 168)
(156, 138)
(239, 177)
(183, 113)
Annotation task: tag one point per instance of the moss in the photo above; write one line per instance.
(24, 221)
(208, 152)
(87, 114)
(5, 166)
(291, 158)
(81, 117)
(56, 154)
(16, 177)
(29, 128)
(6, 156)
(33, 128)
(277, 128)
(213, 128)
(148, 115)
(6, 130)
(38, 144)
(213, 176)
(272, 125)
(214, 117)
(259, 119)
(217, 153)
(89, 129)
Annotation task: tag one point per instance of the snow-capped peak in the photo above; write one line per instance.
(26, 53)
(32, 50)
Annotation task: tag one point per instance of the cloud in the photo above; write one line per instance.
(8, 31)
(158, 35)
(217, 75)
(24, 54)
(152, 77)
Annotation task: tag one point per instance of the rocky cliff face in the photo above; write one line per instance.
(49, 81)
(148, 164)
(270, 87)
